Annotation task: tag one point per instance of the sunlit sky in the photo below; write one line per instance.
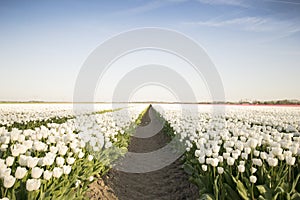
(254, 44)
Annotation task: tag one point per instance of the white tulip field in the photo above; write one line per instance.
(58, 160)
(241, 152)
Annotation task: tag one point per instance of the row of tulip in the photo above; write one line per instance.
(60, 160)
(28, 116)
(240, 152)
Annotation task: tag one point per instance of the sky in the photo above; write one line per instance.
(254, 45)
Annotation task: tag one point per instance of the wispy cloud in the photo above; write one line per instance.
(141, 9)
(240, 3)
(149, 6)
(284, 2)
(244, 22)
(254, 24)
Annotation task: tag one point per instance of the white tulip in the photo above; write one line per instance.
(14, 151)
(9, 161)
(277, 151)
(70, 160)
(244, 156)
(273, 162)
(36, 172)
(198, 153)
(226, 155)
(9, 181)
(204, 167)
(23, 160)
(67, 169)
(28, 144)
(90, 157)
(53, 149)
(39, 146)
(290, 160)
(241, 168)
(253, 179)
(108, 145)
(47, 161)
(281, 157)
(252, 143)
(201, 159)
(256, 153)
(253, 170)
(60, 161)
(257, 161)
(5, 172)
(33, 184)
(214, 162)
(14, 135)
(3, 147)
(57, 172)
(221, 159)
(247, 150)
(5, 139)
(235, 155)
(20, 172)
(220, 170)
(47, 175)
(287, 153)
(216, 148)
(263, 155)
(62, 150)
(230, 161)
(81, 154)
(91, 178)
(295, 149)
(2, 163)
(32, 161)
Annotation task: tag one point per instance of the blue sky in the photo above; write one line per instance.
(254, 44)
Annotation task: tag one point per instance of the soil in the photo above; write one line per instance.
(170, 182)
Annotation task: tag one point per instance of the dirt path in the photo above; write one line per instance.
(170, 182)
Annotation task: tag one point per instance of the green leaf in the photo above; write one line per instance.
(241, 188)
(261, 198)
(262, 189)
(295, 196)
(228, 179)
(198, 182)
(230, 192)
(188, 169)
(279, 190)
(295, 183)
(265, 191)
(206, 197)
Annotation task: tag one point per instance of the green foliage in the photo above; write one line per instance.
(280, 182)
(35, 124)
(76, 184)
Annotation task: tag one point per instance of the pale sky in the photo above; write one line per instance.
(254, 45)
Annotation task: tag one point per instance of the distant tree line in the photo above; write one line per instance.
(280, 102)
(272, 102)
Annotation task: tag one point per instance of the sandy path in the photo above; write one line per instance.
(170, 182)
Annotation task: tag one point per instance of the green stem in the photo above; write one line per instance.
(5, 192)
(214, 170)
(252, 191)
(216, 190)
(290, 172)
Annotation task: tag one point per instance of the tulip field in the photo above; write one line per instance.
(47, 153)
(243, 152)
(240, 152)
